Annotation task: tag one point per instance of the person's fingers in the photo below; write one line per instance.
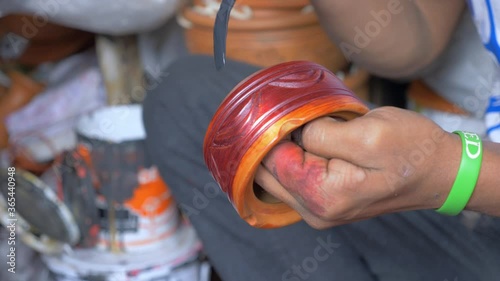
(266, 180)
(310, 179)
(269, 183)
(352, 141)
(300, 173)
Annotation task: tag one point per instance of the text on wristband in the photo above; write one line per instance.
(473, 145)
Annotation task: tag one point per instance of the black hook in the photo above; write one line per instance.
(220, 32)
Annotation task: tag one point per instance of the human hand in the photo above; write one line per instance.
(387, 161)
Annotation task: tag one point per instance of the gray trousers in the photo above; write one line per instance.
(413, 246)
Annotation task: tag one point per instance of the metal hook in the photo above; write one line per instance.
(220, 32)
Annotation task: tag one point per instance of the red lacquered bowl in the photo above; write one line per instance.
(259, 112)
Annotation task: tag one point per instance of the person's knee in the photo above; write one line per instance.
(174, 82)
(190, 67)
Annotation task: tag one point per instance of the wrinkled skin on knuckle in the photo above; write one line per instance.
(343, 176)
(303, 176)
(311, 187)
(328, 182)
(341, 188)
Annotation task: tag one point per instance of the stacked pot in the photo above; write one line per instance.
(263, 32)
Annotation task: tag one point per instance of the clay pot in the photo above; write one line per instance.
(258, 113)
(47, 41)
(266, 4)
(263, 33)
(424, 96)
(20, 93)
(3, 91)
(26, 162)
(22, 90)
(358, 81)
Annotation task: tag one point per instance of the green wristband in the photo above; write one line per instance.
(468, 173)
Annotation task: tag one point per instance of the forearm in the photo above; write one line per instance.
(437, 181)
(392, 38)
(486, 196)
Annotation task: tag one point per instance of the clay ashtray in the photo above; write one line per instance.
(259, 112)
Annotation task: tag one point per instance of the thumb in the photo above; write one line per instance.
(331, 138)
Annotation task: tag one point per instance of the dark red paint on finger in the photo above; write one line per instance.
(302, 174)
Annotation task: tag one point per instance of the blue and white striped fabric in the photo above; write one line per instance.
(492, 119)
(486, 14)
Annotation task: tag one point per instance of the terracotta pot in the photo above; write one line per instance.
(423, 96)
(20, 93)
(260, 20)
(26, 162)
(258, 113)
(266, 4)
(47, 41)
(264, 36)
(358, 81)
(3, 91)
